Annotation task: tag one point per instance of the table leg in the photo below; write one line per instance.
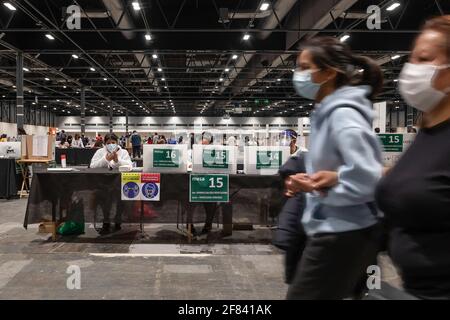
(24, 180)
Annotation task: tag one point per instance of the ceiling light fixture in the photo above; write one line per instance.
(92, 69)
(246, 37)
(234, 57)
(393, 6)
(148, 37)
(226, 70)
(26, 69)
(264, 6)
(163, 79)
(154, 56)
(75, 56)
(395, 57)
(49, 36)
(136, 6)
(9, 6)
(159, 70)
(47, 79)
(344, 38)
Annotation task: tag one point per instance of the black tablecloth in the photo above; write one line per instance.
(8, 181)
(98, 188)
(75, 156)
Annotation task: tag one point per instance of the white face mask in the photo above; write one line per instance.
(416, 86)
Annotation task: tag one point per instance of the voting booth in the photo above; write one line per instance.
(165, 158)
(10, 150)
(38, 147)
(214, 159)
(264, 160)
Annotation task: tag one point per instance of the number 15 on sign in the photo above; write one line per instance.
(209, 188)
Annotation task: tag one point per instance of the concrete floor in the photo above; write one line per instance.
(124, 266)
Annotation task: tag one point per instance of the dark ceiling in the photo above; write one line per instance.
(194, 68)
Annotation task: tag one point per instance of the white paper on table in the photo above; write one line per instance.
(40, 146)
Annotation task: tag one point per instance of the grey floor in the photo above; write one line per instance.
(161, 265)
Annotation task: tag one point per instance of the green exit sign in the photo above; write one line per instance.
(209, 188)
(391, 142)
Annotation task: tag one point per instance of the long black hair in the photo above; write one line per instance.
(329, 52)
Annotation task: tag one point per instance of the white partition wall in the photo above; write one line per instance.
(380, 116)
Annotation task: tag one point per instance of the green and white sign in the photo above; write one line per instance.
(217, 159)
(166, 158)
(391, 142)
(268, 159)
(209, 188)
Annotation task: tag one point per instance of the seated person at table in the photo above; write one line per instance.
(111, 155)
(63, 143)
(78, 142)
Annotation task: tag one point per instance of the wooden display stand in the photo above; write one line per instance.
(28, 158)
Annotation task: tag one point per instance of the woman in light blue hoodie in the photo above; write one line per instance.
(343, 167)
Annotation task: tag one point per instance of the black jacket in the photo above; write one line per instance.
(289, 220)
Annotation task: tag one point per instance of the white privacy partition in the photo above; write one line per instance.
(264, 160)
(214, 159)
(165, 158)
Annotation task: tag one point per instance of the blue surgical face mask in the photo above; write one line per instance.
(111, 147)
(303, 84)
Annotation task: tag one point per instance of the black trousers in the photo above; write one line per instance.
(333, 266)
(210, 211)
(136, 151)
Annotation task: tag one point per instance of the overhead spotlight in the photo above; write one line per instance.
(64, 87)
(105, 79)
(26, 69)
(264, 6)
(221, 79)
(165, 87)
(49, 36)
(278, 79)
(163, 79)
(54, 108)
(45, 106)
(393, 6)
(155, 56)
(9, 6)
(234, 57)
(33, 103)
(395, 57)
(246, 37)
(92, 69)
(47, 79)
(159, 70)
(148, 37)
(75, 56)
(395, 80)
(344, 38)
(267, 87)
(226, 70)
(132, 100)
(293, 70)
(136, 6)
(57, 100)
(361, 70)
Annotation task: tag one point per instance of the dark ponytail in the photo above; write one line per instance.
(329, 52)
(371, 74)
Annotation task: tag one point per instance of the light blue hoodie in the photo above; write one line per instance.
(342, 140)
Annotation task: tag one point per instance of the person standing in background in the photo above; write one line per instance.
(415, 193)
(136, 143)
(155, 138)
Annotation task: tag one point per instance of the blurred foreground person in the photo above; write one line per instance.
(415, 194)
(343, 166)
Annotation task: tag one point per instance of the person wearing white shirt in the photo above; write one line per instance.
(78, 142)
(111, 155)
